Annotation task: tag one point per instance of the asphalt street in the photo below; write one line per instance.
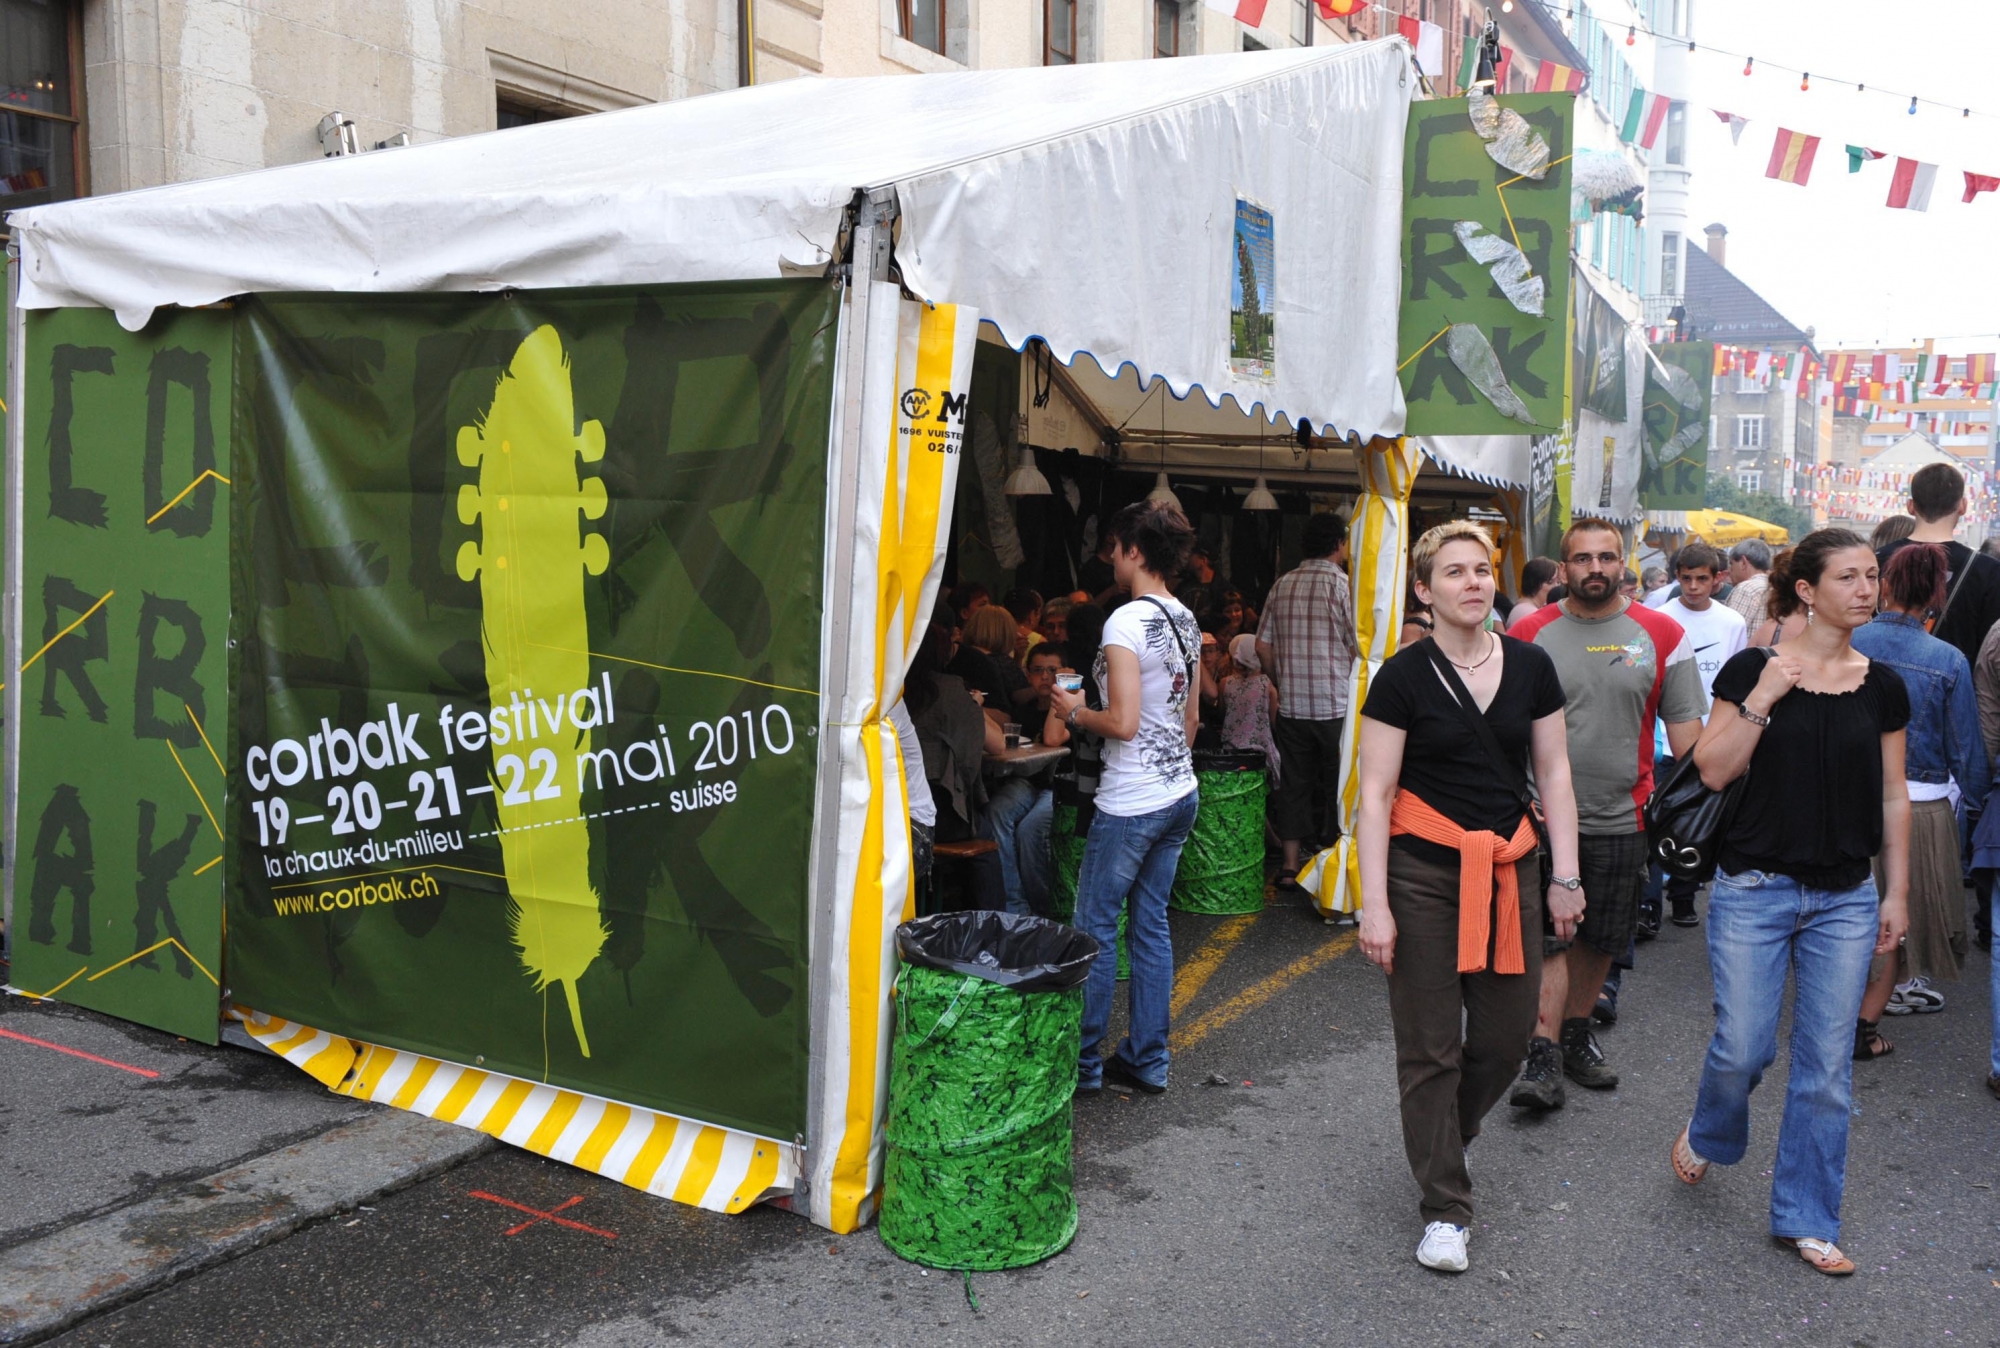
(1275, 1208)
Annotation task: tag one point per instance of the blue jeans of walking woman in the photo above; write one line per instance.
(1130, 856)
(1759, 925)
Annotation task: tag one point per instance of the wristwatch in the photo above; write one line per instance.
(1570, 882)
(1070, 720)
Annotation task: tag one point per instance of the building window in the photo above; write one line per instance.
(924, 23)
(39, 116)
(1302, 23)
(512, 110)
(1749, 479)
(1677, 133)
(1252, 44)
(1748, 382)
(1166, 27)
(1749, 432)
(1059, 29)
(1670, 264)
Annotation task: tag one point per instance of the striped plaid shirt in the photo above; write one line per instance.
(1309, 621)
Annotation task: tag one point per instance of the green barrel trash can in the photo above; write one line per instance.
(1221, 868)
(1066, 849)
(989, 1008)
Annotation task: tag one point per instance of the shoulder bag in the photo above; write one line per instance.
(1514, 777)
(1686, 821)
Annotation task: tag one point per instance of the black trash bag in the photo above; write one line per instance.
(1015, 950)
(1228, 760)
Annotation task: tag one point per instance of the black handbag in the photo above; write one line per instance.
(1516, 779)
(1686, 821)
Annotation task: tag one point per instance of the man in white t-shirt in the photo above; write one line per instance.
(1716, 632)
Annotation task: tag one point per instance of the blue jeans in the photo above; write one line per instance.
(1758, 925)
(1135, 856)
(1994, 960)
(1021, 813)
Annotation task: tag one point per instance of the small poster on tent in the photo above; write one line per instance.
(528, 625)
(1486, 276)
(1253, 295)
(1679, 382)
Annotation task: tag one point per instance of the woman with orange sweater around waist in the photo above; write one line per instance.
(1450, 877)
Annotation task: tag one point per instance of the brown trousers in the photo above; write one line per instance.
(1460, 1038)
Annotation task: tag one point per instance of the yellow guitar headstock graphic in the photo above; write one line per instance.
(530, 562)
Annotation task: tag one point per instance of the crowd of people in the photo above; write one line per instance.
(1843, 692)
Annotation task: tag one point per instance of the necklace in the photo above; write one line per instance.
(1491, 647)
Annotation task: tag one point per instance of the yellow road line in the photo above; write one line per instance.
(204, 740)
(205, 476)
(192, 787)
(149, 950)
(1193, 976)
(1260, 992)
(65, 632)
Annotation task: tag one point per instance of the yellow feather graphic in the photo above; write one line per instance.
(530, 566)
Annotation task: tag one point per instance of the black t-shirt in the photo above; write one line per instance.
(1974, 608)
(1812, 807)
(1095, 576)
(1443, 761)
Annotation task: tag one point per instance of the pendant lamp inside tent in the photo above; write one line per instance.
(1162, 494)
(1026, 479)
(1260, 497)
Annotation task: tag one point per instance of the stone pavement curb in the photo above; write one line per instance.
(48, 1284)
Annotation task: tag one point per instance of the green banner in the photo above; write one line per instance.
(1486, 279)
(1678, 389)
(528, 595)
(124, 666)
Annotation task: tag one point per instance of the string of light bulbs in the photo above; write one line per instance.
(1751, 63)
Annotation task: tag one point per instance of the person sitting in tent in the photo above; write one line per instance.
(954, 738)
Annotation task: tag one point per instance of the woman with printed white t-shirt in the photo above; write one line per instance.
(1146, 796)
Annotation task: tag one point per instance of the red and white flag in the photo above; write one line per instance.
(1428, 39)
(1734, 123)
(1249, 12)
(1975, 183)
(1910, 189)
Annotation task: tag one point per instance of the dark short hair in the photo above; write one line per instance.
(964, 593)
(1158, 531)
(1915, 578)
(1023, 603)
(1698, 557)
(1935, 491)
(1324, 534)
(1587, 525)
(1042, 648)
(1538, 572)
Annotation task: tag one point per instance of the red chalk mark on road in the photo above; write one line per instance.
(539, 1215)
(79, 1053)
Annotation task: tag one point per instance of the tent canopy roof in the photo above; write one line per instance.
(1093, 206)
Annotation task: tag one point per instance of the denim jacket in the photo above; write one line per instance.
(1944, 740)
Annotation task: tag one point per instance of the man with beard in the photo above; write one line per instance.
(1620, 664)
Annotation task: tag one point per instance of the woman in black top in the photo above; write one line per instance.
(1819, 729)
(1450, 880)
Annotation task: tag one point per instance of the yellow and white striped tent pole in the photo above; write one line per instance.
(1379, 540)
(915, 370)
(1514, 554)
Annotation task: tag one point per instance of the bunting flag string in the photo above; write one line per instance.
(1857, 155)
(1792, 153)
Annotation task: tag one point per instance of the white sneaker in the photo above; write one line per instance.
(1443, 1247)
(1916, 997)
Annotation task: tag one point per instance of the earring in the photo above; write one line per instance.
(1809, 615)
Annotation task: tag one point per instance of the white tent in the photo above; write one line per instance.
(1094, 207)
(1090, 205)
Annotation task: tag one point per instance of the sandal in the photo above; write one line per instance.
(1823, 1255)
(1869, 1043)
(1689, 1166)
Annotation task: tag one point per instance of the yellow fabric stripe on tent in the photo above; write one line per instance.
(715, 1167)
(701, 1166)
(610, 1127)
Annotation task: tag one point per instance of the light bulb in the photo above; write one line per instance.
(1805, 83)
(1913, 105)
(1506, 6)
(1632, 36)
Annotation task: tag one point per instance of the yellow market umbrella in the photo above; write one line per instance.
(1724, 528)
